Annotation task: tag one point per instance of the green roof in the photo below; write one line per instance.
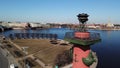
(82, 42)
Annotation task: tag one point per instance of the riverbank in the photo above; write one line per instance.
(106, 29)
(2, 29)
(42, 50)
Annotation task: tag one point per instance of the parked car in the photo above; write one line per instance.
(13, 66)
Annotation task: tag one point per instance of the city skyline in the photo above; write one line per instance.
(56, 11)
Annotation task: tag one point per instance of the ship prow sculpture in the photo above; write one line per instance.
(82, 40)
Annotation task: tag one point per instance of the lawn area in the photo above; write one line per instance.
(34, 45)
(42, 49)
(48, 56)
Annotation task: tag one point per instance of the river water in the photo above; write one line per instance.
(108, 50)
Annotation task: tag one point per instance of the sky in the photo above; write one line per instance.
(60, 11)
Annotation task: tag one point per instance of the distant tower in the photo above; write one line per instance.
(109, 24)
(82, 56)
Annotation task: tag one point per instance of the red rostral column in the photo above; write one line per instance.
(80, 52)
(82, 56)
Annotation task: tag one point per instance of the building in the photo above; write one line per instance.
(17, 25)
(5, 24)
(35, 25)
(109, 25)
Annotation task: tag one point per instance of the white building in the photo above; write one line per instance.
(6, 24)
(34, 25)
(18, 25)
(14, 24)
(109, 25)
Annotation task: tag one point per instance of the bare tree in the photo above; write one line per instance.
(63, 58)
(11, 37)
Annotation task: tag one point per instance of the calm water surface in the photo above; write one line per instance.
(108, 50)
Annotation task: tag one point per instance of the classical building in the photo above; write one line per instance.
(35, 25)
(109, 25)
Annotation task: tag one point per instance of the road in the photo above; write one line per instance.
(3, 61)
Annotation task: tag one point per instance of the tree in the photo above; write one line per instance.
(55, 36)
(11, 37)
(63, 58)
(22, 34)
